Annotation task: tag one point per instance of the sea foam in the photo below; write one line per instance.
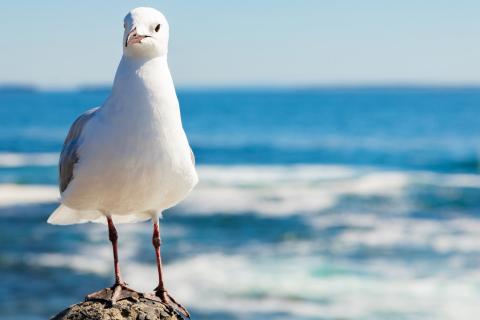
(14, 160)
(277, 190)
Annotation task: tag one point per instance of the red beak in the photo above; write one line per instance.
(133, 37)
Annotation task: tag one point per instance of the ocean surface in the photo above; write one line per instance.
(332, 203)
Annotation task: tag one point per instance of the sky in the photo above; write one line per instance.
(215, 43)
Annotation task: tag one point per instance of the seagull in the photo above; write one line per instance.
(129, 159)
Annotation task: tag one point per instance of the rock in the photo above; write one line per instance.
(131, 309)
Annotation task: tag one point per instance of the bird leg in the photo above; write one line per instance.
(113, 237)
(160, 291)
(119, 290)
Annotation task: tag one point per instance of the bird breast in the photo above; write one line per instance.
(131, 163)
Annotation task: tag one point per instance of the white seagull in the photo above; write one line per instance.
(129, 159)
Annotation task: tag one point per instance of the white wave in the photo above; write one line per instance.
(252, 175)
(458, 180)
(80, 262)
(278, 190)
(285, 190)
(290, 277)
(293, 285)
(268, 190)
(385, 231)
(11, 194)
(13, 160)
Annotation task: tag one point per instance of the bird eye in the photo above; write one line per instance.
(157, 28)
(124, 25)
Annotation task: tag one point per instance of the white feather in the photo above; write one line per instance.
(134, 159)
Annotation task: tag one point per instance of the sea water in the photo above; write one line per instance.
(331, 203)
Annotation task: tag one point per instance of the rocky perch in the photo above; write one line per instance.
(131, 309)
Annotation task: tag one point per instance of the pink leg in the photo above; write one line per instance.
(157, 242)
(113, 236)
(160, 289)
(119, 290)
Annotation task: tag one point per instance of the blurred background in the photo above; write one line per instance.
(337, 143)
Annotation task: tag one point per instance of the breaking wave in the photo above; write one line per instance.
(15, 160)
(281, 190)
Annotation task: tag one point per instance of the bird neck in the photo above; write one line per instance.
(146, 82)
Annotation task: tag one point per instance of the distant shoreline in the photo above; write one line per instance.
(26, 88)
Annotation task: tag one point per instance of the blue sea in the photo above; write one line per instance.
(320, 203)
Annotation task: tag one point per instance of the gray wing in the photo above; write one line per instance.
(69, 155)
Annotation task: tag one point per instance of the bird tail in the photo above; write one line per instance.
(64, 215)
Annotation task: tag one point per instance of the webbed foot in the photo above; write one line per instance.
(117, 292)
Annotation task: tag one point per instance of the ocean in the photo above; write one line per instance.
(318, 203)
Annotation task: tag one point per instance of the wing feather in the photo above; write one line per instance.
(69, 155)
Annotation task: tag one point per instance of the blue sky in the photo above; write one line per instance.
(248, 43)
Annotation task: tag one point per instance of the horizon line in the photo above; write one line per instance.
(254, 87)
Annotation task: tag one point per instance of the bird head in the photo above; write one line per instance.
(146, 33)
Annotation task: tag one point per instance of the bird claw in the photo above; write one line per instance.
(165, 298)
(117, 292)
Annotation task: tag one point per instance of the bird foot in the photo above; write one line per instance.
(165, 298)
(117, 292)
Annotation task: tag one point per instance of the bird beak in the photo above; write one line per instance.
(133, 37)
